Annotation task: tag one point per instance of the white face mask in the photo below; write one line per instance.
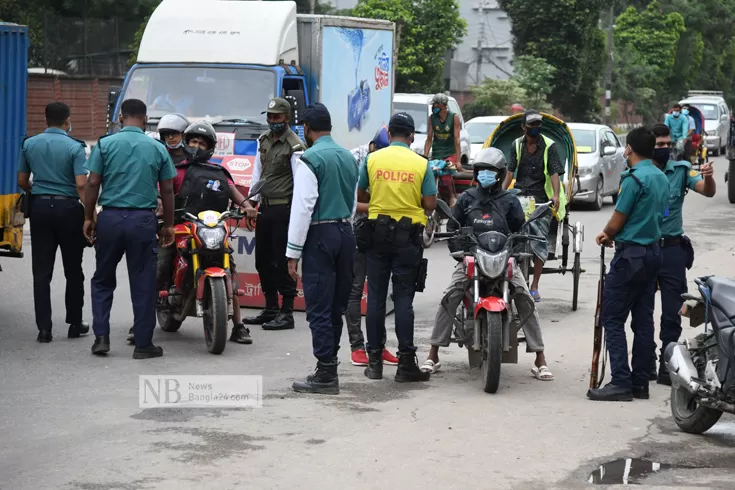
(626, 156)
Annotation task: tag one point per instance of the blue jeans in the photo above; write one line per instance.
(672, 280)
(327, 263)
(630, 288)
(131, 233)
(403, 264)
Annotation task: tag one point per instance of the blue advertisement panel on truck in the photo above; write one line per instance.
(13, 85)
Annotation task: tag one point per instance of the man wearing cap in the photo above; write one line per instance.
(354, 306)
(278, 153)
(320, 231)
(537, 169)
(402, 191)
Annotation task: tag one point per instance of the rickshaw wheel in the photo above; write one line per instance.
(576, 272)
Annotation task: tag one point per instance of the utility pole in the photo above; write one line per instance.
(478, 64)
(609, 70)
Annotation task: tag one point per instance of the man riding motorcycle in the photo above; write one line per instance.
(486, 207)
(171, 129)
(443, 140)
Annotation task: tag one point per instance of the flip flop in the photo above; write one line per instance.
(430, 366)
(535, 295)
(542, 373)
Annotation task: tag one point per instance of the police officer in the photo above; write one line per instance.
(676, 248)
(630, 286)
(276, 159)
(130, 166)
(320, 231)
(402, 191)
(57, 163)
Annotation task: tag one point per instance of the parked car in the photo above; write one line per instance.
(480, 129)
(600, 160)
(716, 118)
(417, 105)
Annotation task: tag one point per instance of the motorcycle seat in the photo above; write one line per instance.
(723, 294)
(726, 341)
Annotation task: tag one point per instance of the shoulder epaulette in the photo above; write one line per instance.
(683, 163)
(263, 136)
(84, 143)
(295, 142)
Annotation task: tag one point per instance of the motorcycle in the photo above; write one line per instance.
(488, 262)
(703, 369)
(202, 278)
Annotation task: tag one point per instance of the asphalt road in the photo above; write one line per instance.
(71, 421)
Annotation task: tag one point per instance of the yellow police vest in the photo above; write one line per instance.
(395, 177)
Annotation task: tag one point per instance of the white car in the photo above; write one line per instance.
(418, 106)
(480, 129)
(716, 118)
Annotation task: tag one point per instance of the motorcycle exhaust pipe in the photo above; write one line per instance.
(681, 368)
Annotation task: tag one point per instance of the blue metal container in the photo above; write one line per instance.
(13, 86)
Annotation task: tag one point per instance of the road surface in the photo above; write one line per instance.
(71, 421)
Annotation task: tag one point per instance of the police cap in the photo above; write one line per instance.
(278, 106)
(402, 122)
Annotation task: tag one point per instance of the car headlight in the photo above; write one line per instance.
(492, 265)
(712, 132)
(584, 171)
(212, 238)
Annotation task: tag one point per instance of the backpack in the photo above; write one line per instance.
(194, 195)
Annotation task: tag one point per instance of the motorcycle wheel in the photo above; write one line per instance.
(689, 415)
(492, 332)
(215, 315)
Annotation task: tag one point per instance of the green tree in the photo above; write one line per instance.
(427, 30)
(566, 34)
(493, 97)
(534, 76)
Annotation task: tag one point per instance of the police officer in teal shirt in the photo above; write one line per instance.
(130, 166)
(630, 286)
(676, 248)
(56, 161)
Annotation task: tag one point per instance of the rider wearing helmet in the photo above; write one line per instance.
(486, 207)
(171, 129)
(443, 140)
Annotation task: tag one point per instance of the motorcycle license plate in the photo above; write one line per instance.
(528, 204)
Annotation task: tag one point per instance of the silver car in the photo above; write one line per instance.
(716, 119)
(600, 159)
(418, 106)
(480, 129)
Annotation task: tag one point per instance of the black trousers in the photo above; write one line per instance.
(57, 223)
(271, 235)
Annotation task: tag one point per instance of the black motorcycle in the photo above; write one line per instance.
(703, 369)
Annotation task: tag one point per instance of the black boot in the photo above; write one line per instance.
(408, 369)
(324, 381)
(664, 377)
(101, 345)
(76, 331)
(241, 334)
(284, 319)
(374, 369)
(641, 392)
(268, 314)
(654, 373)
(610, 393)
(44, 336)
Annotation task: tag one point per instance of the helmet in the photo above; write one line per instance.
(490, 159)
(440, 99)
(174, 122)
(204, 130)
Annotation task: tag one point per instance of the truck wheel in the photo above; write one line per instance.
(689, 415)
(731, 183)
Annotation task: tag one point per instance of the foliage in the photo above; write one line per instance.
(427, 29)
(566, 34)
(493, 97)
(534, 76)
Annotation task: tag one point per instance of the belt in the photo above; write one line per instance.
(670, 241)
(622, 246)
(328, 221)
(278, 201)
(115, 208)
(61, 198)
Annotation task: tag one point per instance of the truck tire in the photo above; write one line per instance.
(731, 183)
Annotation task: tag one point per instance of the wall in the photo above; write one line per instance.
(85, 96)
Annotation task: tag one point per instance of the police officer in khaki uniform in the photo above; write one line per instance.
(276, 160)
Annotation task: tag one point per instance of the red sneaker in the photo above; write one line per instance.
(359, 358)
(389, 358)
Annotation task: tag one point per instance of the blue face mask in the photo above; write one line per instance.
(487, 178)
(685, 112)
(277, 127)
(436, 110)
(675, 113)
(68, 130)
(533, 132)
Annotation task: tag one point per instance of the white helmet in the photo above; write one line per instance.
(176, 123)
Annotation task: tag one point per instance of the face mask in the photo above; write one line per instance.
(662, 155)
(676, 113)
(277, 127)
(685, 112)
(68, 130)
(176, 147)
(626, 156)
(436, 110)
(197, 155)
(486, 178)
(534, 132)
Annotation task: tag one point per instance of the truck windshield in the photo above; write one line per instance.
(198, 92)
(419, 113)
(709, 111)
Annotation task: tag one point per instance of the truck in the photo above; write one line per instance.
(14, 44)
(222, 61)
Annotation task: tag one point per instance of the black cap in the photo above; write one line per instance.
(317, 117)
(401, 120)
(532, 116)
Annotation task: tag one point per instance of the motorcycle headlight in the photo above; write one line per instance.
(492, 265)
(212, 238)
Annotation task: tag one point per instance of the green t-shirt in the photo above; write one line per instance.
(443, 144)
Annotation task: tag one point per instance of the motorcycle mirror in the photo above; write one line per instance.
(257, 188)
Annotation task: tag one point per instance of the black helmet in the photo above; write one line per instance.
(490, 159)
(203, 130)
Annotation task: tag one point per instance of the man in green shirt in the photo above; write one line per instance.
(129, 166)
(630, 285)
(443, 139)
(676, 248)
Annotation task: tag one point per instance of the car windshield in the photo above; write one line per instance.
(585, 140)
(709, 111)
(480, 131)
(419, 113)
(198, 92)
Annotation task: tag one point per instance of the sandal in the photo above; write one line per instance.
(430, 366)
(535, 295)
(542, 373)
